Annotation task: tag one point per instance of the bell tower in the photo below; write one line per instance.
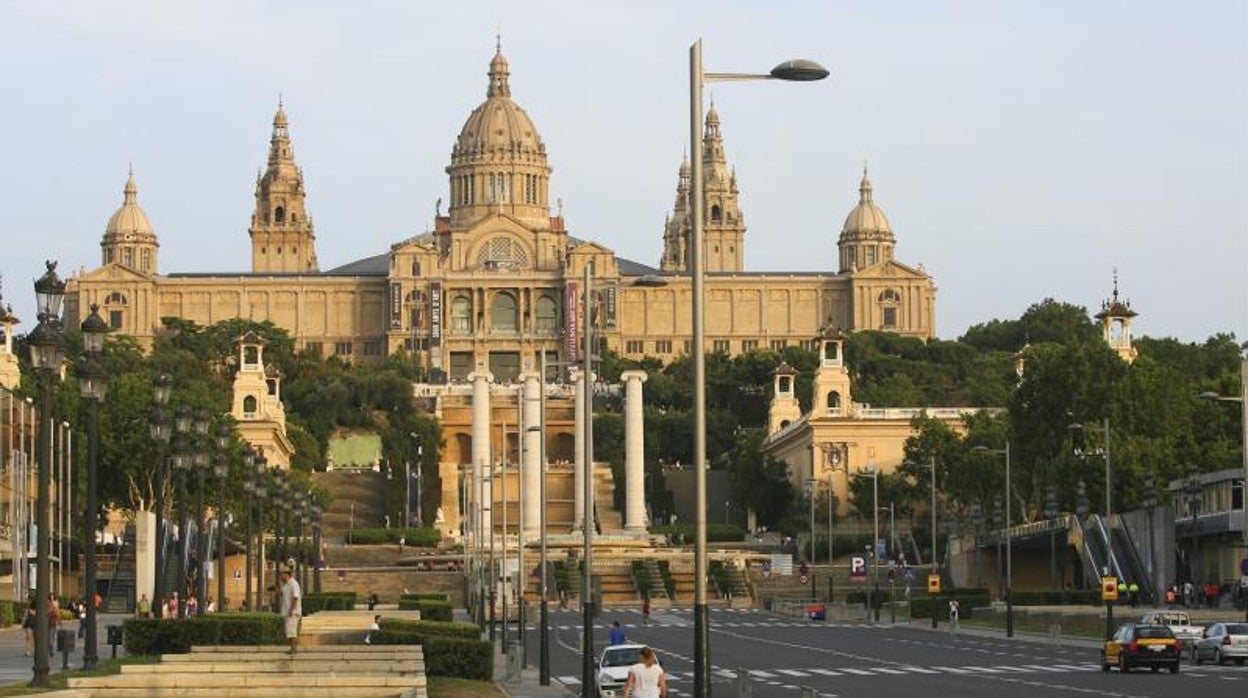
(784, 405)
(1116, 317)
(257, 405)
(832, 387)
(722, 222)
(282, 237)
(10, 372)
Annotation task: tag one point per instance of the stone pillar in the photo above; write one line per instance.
(532, 455)
(634, 453)
(578, 467)
(482, 492)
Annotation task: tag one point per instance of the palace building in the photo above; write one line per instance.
(496, 279)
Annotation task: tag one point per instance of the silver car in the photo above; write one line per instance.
(1220, 642)
(613, 668)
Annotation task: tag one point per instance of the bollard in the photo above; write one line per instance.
(65, 643)
(745, 687)
(114, 638)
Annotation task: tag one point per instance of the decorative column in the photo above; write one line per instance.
(578, 468)
(532, 477)
(634, 453)
(481, 448)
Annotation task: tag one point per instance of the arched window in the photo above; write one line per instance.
(889, 300)
(294, 217)
(251, 356)
(786, 384)
(249, 405)
(503, 315)
(461, 314)
(831, 351)
(115, 298)
(834, 400)
(547, 314)
(717, 214)
(890, 296)
(501, 252)
(279, 215)
(415, 267)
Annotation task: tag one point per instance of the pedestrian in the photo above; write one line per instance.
(80, 612)
(646, 678)
(192, 605)
(617, 634)
(645, 610)
(1211, 594)
(1133, 592)
(372, 601)
(1189, 593)
(292, 609)
(1170, 597)
(54, 622)
(212, 606)
(143, 609)
(953, 614)
(374, 628)
(171, 608)
(28, 627)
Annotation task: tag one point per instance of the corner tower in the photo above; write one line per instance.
(1116, 317)
(282, 237)
(498, 163)
(677, 226)
(866, 238)
(129, 239)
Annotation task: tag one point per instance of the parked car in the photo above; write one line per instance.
(1179, 622)
(1153, 646)
(1222, 641)
(613, 668)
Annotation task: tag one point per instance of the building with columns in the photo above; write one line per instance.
(493, 281)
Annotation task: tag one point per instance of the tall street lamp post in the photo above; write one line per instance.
(1150, 503)
(261, 488)
(93, 378)
(182, 462)
(1009, 561)
(1192, 497)
(544, 609)
(249, 489)
(317, 512)
(1050, 515)
(161, 431)
(202, 458)
(47, 353)
(1243, 412)
(221, 469)
(587, 525)
(1103, 451)
(795, 70)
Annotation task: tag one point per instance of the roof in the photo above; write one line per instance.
(630, 268)
(377, 265)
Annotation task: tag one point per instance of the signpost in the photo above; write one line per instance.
(1109, 594)
(933, 591)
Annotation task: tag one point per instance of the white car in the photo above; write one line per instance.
(613, 668)
(1222, 641)
(1179, 621)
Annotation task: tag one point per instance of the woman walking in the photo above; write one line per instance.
(28, 627)
(646, 678)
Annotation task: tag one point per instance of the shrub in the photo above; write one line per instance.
(174, 636)
(329, 601)
(430, 609)
(431, 596)
(6, 615)
(431, 628)
(425, 537)
(968, 600)
(1091, 597)
(446, 656)
(715, 533)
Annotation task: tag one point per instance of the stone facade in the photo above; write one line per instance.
(494, 280)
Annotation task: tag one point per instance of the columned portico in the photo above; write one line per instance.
(532, 476)
(634, 452)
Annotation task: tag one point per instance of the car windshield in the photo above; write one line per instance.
(1153, 631)
(1237, 628)
(624, 656)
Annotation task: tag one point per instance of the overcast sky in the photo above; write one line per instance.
(1021, 149)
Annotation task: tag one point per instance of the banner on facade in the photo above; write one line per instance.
(611, 293)
(572, 321)
(396, 306)
(435, 324)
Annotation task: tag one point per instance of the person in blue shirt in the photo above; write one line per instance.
(617, 634)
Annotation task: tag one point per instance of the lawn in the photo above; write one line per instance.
(58, 680)
(446, 687)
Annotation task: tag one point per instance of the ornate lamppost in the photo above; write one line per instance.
(47, 353)
(1050, 514)
(183, 459)
(93, 378)
(201, 540)
(249, 489)
(261, 489)
(317, 512)
(221, 469)
(161, 431)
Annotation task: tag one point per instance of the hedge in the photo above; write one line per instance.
(6, 615)
(430, 609)
(715, 533)
(425, 537)
(447, 656)
(328, 601)
(432, 596)
(1057, 598)
(173, 636)
(968, 600)
(431, 628)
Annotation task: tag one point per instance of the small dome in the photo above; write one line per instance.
(498, 129)
(866, 216)
(685, 169)
(130, 218)
(279, 119)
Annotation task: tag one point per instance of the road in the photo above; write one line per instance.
(782, 655)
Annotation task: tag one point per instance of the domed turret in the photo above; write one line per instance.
(129, 238)
(499, 159)
(867, 237)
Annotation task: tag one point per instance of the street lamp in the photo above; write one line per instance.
(201, 470)
(1104, 453)
(874, 472)
(249, 489)
(1192, 498)
(1009, 540)
(93, 378)
(161, 430)
(1243, 407)
(407, 490)
(261, 489)
(221, 469)
(1150, 503)
(1050, 514)
(793, 70)
(317, 513)
(47, 353)
(544, 612)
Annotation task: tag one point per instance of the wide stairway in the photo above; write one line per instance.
(331, 671)
(357, 501)
(609, 518)
(617, 586)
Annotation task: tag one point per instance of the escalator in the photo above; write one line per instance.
(1094, 553)
(1130, 560)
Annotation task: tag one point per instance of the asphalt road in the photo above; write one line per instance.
(781, 655)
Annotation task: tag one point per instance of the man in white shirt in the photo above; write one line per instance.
(292, 608)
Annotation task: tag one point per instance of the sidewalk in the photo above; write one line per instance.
(526, 685)
(15, 666)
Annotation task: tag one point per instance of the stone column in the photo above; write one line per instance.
(482, 491)
(578, 467)
(532, 455)
(634, 453)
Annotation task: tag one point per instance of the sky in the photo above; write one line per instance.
(1021, 150)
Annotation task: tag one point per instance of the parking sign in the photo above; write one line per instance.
(858, 568)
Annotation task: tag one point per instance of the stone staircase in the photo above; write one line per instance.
(654, 580)
(329, 671)
(343, 627)
(364, 489)
(609, 518)
(617, 585)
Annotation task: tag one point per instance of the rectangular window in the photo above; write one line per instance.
(749, 345)
(461, 365)
(372, 348)
(890, 317)
(721, 346)
(870, 255)
(114, 319)
(663, 346)
(147, 260)
(634, 346)
(778, 344)
(314, 348)
(127, 257)
(809, 344)
(342, 348)
(418, 344)
(688, 346)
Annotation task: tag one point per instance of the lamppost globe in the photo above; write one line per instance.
(162, 386)
(93, 330)
(49, 292)
(799, 70)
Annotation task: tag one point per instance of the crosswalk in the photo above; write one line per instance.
(680, 623)
(770, 675)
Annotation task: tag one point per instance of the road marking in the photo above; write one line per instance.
(793, 672)
(859, 672)
(826, 672)
(761, 673)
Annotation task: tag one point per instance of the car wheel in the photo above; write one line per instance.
(1174, 668)
(1218, 658)
(1104, 663)
(1123, 667)
(1155, 668)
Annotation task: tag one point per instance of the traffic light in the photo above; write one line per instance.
(1109, 589)
(933, 583)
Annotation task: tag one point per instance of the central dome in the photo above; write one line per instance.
(130, 219)
(498, 130)
(866, 218)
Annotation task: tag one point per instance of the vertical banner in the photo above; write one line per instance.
(572, 321)
(396, 306)
(435, 324)
(612, 292)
